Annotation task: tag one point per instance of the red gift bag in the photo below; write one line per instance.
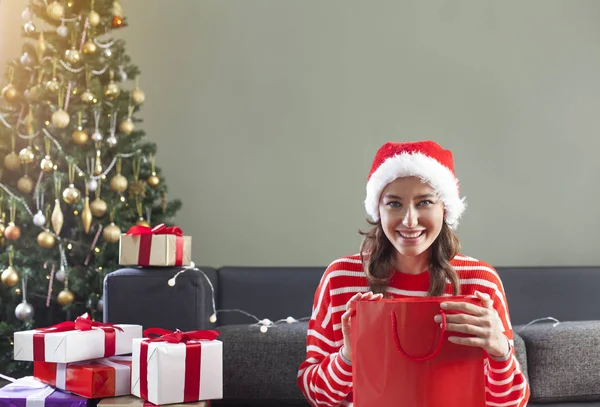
(402, 357)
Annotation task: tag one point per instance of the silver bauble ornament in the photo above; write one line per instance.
(26, 59)
(29, 27)
(122, 74)
(62, 30)
(111, 141)
(39, 219)
(92, 185)
(97, 136)
(60, 275)
(24, 311)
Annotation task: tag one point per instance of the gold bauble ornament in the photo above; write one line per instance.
(88, 98)
(98, 207)
(80, 137)
(118, 183)
(72, 55)
(86, 215)
(10, 277)
(12, 162)
(93, 18)
(46, 164)
(71, 195)
(112, 90)
(89, 47)
(45, 239)
(10, 93)
(142, 222)
(153, 180)
(26, 155)
(126, 126)
(55, 10)
(65, 297)
(111, 233)
(138, 96)
(52, 85)
(60, 119)
(25, 184)
(12, 232)
(35, 93)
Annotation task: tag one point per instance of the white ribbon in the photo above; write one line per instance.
(61, 376)
(38, 399)
(122, 377)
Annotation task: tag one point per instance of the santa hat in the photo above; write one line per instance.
(424, 159)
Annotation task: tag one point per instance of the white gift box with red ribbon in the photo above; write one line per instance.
(178, 367)
(76, 341)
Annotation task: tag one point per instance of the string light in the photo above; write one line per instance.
(263, 324)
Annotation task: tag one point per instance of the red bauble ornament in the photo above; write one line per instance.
(12, 232)
(117, 22)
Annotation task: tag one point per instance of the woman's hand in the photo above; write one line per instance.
(347, 318)
(483, 323)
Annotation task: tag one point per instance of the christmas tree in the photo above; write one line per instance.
(76, 172)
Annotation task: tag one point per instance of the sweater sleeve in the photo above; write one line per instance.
(324, 377)
(506, 385)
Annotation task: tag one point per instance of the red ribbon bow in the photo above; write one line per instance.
(191, 390)
(156, 230)
(81, 323)
(146, 234)
(164, 335)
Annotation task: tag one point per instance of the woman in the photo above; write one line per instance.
(414, 203)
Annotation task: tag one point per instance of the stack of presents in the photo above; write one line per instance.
(85, 363)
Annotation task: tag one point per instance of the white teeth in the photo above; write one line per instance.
(411, 235)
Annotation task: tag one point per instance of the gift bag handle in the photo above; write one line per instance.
(418, 358)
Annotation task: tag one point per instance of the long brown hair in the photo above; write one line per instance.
(377, 256)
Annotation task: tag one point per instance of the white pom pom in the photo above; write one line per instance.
(213, 319)
(171, 282)
(264, 329)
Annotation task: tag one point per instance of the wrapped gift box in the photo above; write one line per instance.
(131, 401)
(177, 367)
(75, 341)
(159, 246)
(106, 377)
(28, 392)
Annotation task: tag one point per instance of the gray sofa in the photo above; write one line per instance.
(561, 361)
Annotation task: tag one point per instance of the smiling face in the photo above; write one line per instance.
(411, 215)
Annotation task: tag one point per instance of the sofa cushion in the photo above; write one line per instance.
(261, 368)
(521, 353)
(267, 292)
(563, 360)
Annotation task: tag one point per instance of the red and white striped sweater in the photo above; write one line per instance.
(326, 380)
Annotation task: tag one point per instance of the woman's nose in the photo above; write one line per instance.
(410, 218)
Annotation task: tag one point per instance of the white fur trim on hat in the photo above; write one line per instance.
(428, 170)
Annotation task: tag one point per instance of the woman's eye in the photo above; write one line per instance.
(394, 204)
(426, 202)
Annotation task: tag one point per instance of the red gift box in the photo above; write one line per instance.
(107, 377)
